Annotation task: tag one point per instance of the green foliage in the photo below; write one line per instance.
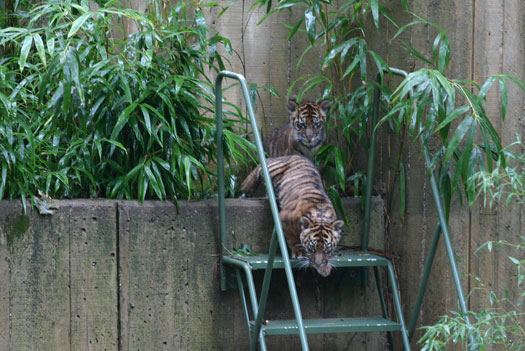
(339, 31)
(88, 112)
(427, 105)
(497, 327)
(506, 182)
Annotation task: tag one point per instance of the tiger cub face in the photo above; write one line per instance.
(319, 239)
(308, 119)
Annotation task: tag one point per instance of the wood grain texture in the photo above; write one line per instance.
(499, 48)
(260, 55)
(485, 38)
(411, 236)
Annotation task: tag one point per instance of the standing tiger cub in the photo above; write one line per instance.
(304, 135)
(310, 225)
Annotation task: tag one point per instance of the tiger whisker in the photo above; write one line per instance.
(303, 265)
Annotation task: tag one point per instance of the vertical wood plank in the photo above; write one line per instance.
(260, 54)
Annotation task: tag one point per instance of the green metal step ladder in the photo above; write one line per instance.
(257, 330)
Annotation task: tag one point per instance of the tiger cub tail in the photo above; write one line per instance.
(251, 182)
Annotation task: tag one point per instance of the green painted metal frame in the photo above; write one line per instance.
(271, 199)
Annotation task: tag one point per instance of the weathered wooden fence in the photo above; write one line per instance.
(120, 275)
(486, 37)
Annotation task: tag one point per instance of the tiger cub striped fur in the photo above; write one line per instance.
(304, 135)
(309, 221)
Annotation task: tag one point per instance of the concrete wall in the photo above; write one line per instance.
(119, 275)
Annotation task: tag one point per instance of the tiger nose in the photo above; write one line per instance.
(319, 259)
(309, 135)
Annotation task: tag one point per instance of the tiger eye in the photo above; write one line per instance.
(311, 246)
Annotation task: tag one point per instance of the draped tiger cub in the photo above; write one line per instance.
(309, 221)
(304, 135)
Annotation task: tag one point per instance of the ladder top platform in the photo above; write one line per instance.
(343, 259)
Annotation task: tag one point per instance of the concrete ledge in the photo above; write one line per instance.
(123, 275)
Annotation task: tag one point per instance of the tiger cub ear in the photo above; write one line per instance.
(292, 108)
(325, 106)
(305, 223)
(338, 225)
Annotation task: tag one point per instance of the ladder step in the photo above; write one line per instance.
(329, 325)
(353, 259)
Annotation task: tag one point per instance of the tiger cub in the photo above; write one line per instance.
(304, 135)
(310, 225)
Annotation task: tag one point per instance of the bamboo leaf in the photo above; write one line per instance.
(153, 180)
(74, 72)
(504, 97)
(147, 121)
(458, 135)
(362, 59)
(452, 116)
(351, 67)
(488, 148)
(295, 28)
(412, 50)
(310, 22)
(122, 119)
(40, 48)
(485, 88)
(24, 51)
(402, 190)
(374, 6)
(162, 163)
(78, 23)
(51, 46)
(187, 170)
(382, 66)
(340, 168)
(143, 183)
(4, 179)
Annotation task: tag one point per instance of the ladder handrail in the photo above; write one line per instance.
(269, 191)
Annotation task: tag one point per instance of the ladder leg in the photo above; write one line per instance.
(243, 300)
(383, 306)
(397, 303)
(253, 299)
(424, 280)
(265, 287)
(293, 293)
(448, 243)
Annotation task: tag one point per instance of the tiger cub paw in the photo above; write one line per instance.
(298, 252)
